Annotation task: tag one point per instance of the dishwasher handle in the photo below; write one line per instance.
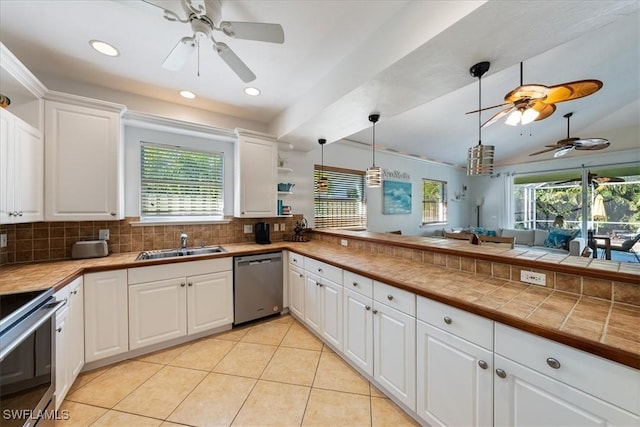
(263, 261)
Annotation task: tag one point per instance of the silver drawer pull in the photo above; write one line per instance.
(295, 260)
(375, 312)
(355, 283)
(501, 373)
(389, 297)
(447, 320)
(367, 307)
(483, 364)
(113, 214)
(553, 363)
(319, 270)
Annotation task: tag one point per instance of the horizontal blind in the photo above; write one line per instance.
(180, 182)
(343, 205)
(434, 204)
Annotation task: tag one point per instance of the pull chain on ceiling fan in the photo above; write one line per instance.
(534, 102)
(568, 144)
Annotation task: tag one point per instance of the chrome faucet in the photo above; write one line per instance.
(183, 241)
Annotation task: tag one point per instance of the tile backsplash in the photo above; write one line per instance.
(43, 241)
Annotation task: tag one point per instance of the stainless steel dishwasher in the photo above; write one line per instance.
(257, 286)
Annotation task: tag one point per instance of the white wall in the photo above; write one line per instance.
(351, 156)
(134, 135)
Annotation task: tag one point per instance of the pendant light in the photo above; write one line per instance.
(374, 173)
(480, 157)
(322, 186)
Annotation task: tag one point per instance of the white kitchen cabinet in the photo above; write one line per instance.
(62, 367)
(173, 300)
(296, 292)
(84, 159)
(255, 175)
(21, 171)
(331, 313)
(105, 314)
(454, 379)
(76, 328)
(323, 301)
(358, 330)
(454, 366)
(541, 382)
(394, 352)
(312, 297)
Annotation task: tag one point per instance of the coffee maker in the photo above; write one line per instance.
(262, 233)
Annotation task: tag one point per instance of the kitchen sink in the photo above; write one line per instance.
(172, 253)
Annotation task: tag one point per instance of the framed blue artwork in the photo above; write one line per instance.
(396, 197)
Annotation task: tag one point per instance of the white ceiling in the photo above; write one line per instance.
(341, 60)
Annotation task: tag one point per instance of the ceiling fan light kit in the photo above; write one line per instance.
(480, 157)
(205, 17)
(374, 173)
(322, 185)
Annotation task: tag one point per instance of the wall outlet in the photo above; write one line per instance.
(103, 234)
(344, 242)
(281, 226)
(248, 229)
(276, 227)
(3, 240)
(539, 279)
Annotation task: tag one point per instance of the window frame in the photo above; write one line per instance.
(361, 199)
(442, 210)
(186, 218)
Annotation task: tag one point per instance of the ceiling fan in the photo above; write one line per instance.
(594, 179)
(527, 103)
(205, 17)
(568, 144)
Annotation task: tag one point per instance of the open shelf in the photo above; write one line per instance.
(285, 192)
(285, 170)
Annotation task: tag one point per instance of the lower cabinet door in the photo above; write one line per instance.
(157, 312)
(454, 379)
(312, 301)
(76, 328)
(394, 352)
(358, 330)
(524, 397)
(296, 292)
(331, 313)
(209, 301)
(62, 353)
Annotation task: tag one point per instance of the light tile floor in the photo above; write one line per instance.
(269, 373)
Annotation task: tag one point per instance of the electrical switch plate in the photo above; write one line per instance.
(248, 229)
(281, 226)
(3, 240)
(344, 242)
(276, 227)
(103, 234)
(539, 279)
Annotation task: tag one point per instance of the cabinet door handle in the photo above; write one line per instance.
(501, 373)
(320, 284)
(10, 213)
(112, 214)
(375, 311)
(367, 307)
(355, 283)
(301, 275)
(182, 285)
(59, 329)
(447, 320)
(319, 270)
(190, 284)
(554, 363)
(389, 297)
(20, 213)
(483, 364)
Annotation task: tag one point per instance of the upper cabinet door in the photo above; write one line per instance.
(83, 163)
(255, 176)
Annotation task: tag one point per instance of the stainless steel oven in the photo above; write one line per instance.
(27, 357)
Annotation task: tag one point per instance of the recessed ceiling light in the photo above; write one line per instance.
(187, 94)
(252, 91)
(104, 48)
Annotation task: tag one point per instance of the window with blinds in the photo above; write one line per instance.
(178, 182)
(343, 205)
(434, 201)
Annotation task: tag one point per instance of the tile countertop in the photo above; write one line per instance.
(601, 327)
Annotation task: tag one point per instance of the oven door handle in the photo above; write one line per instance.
(35, 320)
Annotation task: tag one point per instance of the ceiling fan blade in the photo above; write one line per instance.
(591, 144)
(234, 62)
(572, 90)
(563, 151)
(546, 150)
(488, 108)
(544, 110)
(497, 116)
(258, 31)
(179, 55)
(531, 91)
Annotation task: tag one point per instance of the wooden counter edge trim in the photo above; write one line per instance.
(616, 276)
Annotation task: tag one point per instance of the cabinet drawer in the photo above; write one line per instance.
(399, 299)
(463, 324)
(607, 380)
(296, 259)
(323, 270)
(153, 273)
(355, 282)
